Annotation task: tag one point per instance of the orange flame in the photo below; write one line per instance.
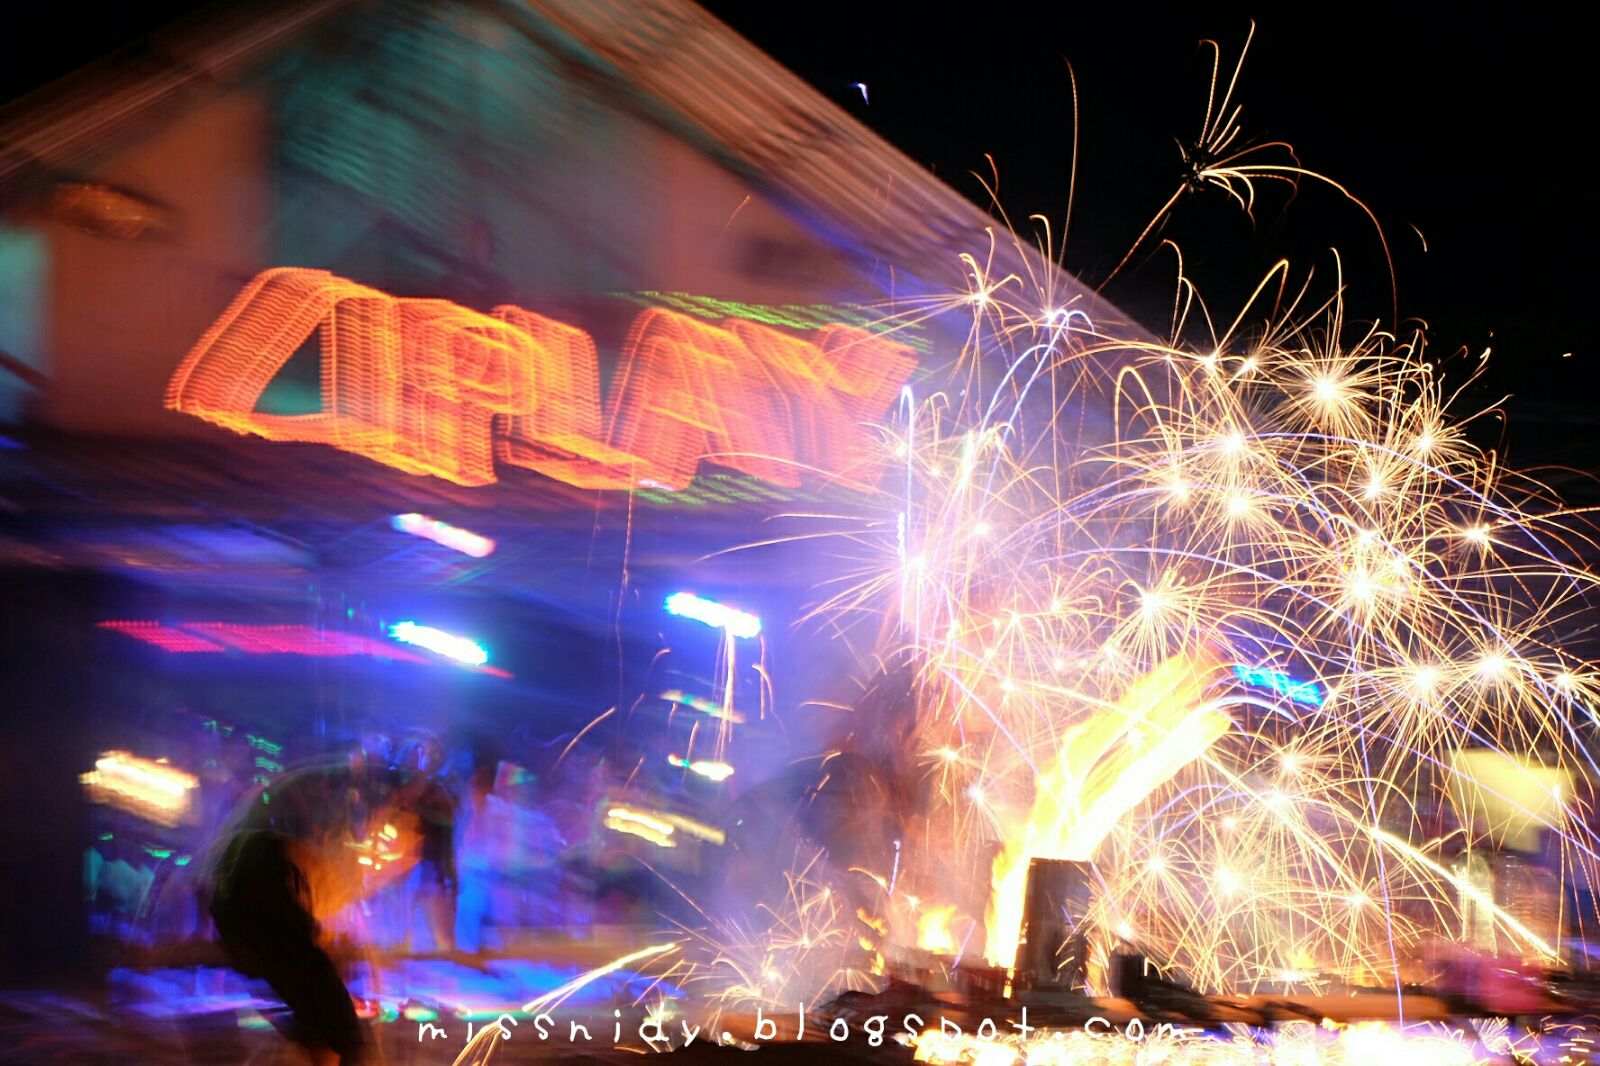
(933, 930)
(1161, 726)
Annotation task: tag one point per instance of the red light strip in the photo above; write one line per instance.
(424, 385)
(195, 637)
(217, 637)
(163, 637)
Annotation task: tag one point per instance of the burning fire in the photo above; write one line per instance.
(933, 930)
(1107, 764)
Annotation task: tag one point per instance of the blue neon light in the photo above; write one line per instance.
(1306, 692)
(461, 540)
(713, 614)
(439, 642)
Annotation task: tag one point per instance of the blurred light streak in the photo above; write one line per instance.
(787, 316)
(464, 541)
(640, 824)
(150, 789)
(734, 622)
(1306, 692)
(697, 829)
(461, 649)
(709, 708)
(218, 637)
(164, 637)
(709, 769)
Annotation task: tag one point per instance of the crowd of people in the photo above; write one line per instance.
(396, 843)
(489, 850)
(391, 842)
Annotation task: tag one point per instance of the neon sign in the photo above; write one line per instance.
(217, 637)
(716, 615)
(462, 540)
(430, 387)
(461, 649)
(710, 769)
(792, 316)
(1306, 692)
(220, 637)
(150, 788)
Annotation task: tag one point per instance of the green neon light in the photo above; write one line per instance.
(263, 744)
(789, 316)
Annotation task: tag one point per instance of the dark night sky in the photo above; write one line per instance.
(1476, 131)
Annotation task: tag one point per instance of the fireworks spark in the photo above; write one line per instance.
(1229, 621)
(1392, 595)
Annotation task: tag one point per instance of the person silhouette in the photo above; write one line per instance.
(293, 855)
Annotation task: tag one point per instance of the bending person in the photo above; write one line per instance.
(295, 854)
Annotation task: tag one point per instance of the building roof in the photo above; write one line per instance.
(667, 60)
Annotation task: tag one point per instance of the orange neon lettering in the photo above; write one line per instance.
(430, 387)
(831, 406)
(561, 436)
(687, 390)
(863, 370)
(223, 376)
(459, 371)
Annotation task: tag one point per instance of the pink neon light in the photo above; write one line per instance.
(297, 640)
(163, 637)
(215, 637)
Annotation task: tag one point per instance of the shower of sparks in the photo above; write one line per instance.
(1110, 558)
(1221, 158)
(813, 942)
(1293, 1044)
(1238, 623)
(1295, 501)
